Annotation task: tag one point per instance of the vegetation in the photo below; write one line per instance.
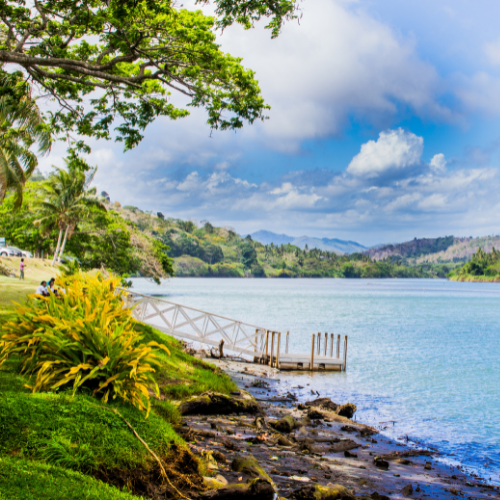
(82, 338)
(482, 267)
(21, 127)
(98, 238)
(55, 442)
(124, 57)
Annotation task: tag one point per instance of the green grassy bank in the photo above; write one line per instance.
(57, 446)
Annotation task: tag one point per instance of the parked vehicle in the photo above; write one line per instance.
(24, 253)
(10, 252)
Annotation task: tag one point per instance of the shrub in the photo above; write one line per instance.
(85, 338)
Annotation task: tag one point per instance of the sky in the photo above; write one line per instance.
(384, 126)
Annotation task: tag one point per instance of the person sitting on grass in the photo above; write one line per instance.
(42, 289)
(52, 288)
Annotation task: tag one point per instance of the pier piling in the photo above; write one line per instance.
(312, 351)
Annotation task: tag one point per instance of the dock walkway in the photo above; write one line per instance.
(261, 345)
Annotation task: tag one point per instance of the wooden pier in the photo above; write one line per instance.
(253, 342)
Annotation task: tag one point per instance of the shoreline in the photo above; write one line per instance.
(338, 451)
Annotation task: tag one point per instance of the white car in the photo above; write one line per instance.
(24, 253)
(8, 252)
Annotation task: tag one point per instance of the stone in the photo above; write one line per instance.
(407, 490)
(220, 458)
(378, 496)
(286, 424)
(381, 463)
(256, 488)
(318, 492)
(213, 403)
(348, 410)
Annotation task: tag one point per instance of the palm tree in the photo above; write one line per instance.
(65, 200)
(21, 126)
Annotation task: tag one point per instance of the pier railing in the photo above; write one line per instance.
(262, 344)
(196, 325)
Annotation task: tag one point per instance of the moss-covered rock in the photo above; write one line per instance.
(213, 403)
(318, 492)
(285, 424)
(255, 489)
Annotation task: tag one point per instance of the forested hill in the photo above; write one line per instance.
(448, 249)
(205, 250)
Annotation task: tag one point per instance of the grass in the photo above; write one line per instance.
(21, 479)
(52, 443)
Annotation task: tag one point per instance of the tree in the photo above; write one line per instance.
(134, 52)
(21, 127)
(65, 200)
(248, 255)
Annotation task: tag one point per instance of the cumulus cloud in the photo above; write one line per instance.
(438, 163)
(394, 150)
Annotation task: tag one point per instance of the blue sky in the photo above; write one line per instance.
(384, 127)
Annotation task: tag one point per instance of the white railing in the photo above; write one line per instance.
(199, 326)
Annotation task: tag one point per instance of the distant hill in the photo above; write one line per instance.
(325, 244)
(434, 250)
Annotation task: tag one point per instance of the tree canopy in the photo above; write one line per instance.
(125, 57)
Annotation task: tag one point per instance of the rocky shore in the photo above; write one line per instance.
(263, 443)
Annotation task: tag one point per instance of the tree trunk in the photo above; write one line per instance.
(64, 242)
(57, 248)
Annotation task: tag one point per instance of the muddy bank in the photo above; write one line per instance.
(303, 446)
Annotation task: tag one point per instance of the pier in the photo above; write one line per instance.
(258, 344)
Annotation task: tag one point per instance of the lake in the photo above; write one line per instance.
(424, 353)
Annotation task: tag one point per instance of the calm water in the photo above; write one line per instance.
(424, 353)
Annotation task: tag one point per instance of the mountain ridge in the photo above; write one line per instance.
(327, 244)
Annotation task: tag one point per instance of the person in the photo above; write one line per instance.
(21, 270)
(52, 288)
(42, 289)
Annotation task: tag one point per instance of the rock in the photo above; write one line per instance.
(221, 479)
(315, 414)
(220, 458)
(258, 489)
(325, 403)
(427, 466)
(274, 471)
(318, 492)
(344, 445)
(381, 463)
(285, 424)
(212, 483)
(377, 496)
(249, 466)
(283, 441)
(350, 455)
(213, 403)
(407, 490)
(348, 410)
(260, 423)
(300, 406)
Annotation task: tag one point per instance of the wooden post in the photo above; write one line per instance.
(326, 341)
(278, 351)
(287, 335)
(319, 343)
(345, 353)
(267, 345)
(331, 345)
(338, 346)
(312, 351)
(272, 349)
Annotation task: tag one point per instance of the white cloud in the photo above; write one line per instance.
(438, 163)
(338, 61)
(394, 150)
(492, 51)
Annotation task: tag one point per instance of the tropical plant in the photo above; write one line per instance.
(21, 127)
(65, 199)
(84, 338)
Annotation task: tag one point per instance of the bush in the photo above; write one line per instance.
(86, 338)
